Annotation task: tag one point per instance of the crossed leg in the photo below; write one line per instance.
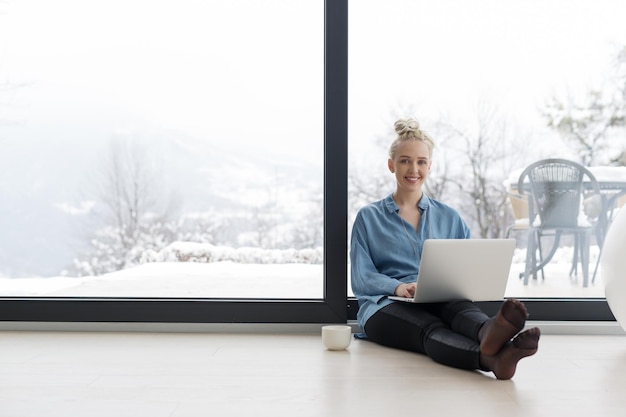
(501, 328)
(498, 352)
(504, 363)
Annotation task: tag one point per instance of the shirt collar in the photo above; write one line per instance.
(392, 207)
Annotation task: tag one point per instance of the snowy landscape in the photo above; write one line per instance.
(169, 278)
(224, 140)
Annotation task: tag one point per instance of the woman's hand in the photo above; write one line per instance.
(405, 290)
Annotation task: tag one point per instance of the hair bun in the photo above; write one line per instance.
(406, 126)
(409, 130)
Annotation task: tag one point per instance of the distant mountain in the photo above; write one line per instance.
(48, 173)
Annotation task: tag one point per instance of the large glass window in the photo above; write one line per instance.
(499, 85)
(162, 149)
(239, 89)
(465, 70)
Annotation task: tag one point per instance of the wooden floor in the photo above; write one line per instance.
(91, 374)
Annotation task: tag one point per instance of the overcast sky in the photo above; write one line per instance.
(442, 57)
(204, 68)
(209, 70)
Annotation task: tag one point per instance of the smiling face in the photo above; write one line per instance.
(410, 164)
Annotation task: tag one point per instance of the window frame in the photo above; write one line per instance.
(335, 306)
(330, 309)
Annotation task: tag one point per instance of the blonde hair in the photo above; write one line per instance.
(409, 129)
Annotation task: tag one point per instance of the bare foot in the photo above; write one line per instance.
(504, 364)
(499, 330)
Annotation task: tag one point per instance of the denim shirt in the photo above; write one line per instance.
(385, 250)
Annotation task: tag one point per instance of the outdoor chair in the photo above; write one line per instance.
(556, 189)
(519, 207)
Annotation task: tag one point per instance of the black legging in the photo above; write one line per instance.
(446, 332)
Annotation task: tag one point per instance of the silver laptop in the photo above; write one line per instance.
(473, 269)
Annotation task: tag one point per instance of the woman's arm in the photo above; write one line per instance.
(366, 280)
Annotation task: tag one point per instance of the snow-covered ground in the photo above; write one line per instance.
(227, 279)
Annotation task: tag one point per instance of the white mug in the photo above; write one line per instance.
(336, 337)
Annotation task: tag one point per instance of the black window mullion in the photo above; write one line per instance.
(336, 156)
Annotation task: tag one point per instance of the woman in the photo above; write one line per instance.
(385, 253)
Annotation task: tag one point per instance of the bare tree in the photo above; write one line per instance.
(587, 122)
(308, 229)
(134, 210)
(483, 156)
(364, 187)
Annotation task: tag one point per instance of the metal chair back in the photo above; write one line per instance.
(557, 188)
